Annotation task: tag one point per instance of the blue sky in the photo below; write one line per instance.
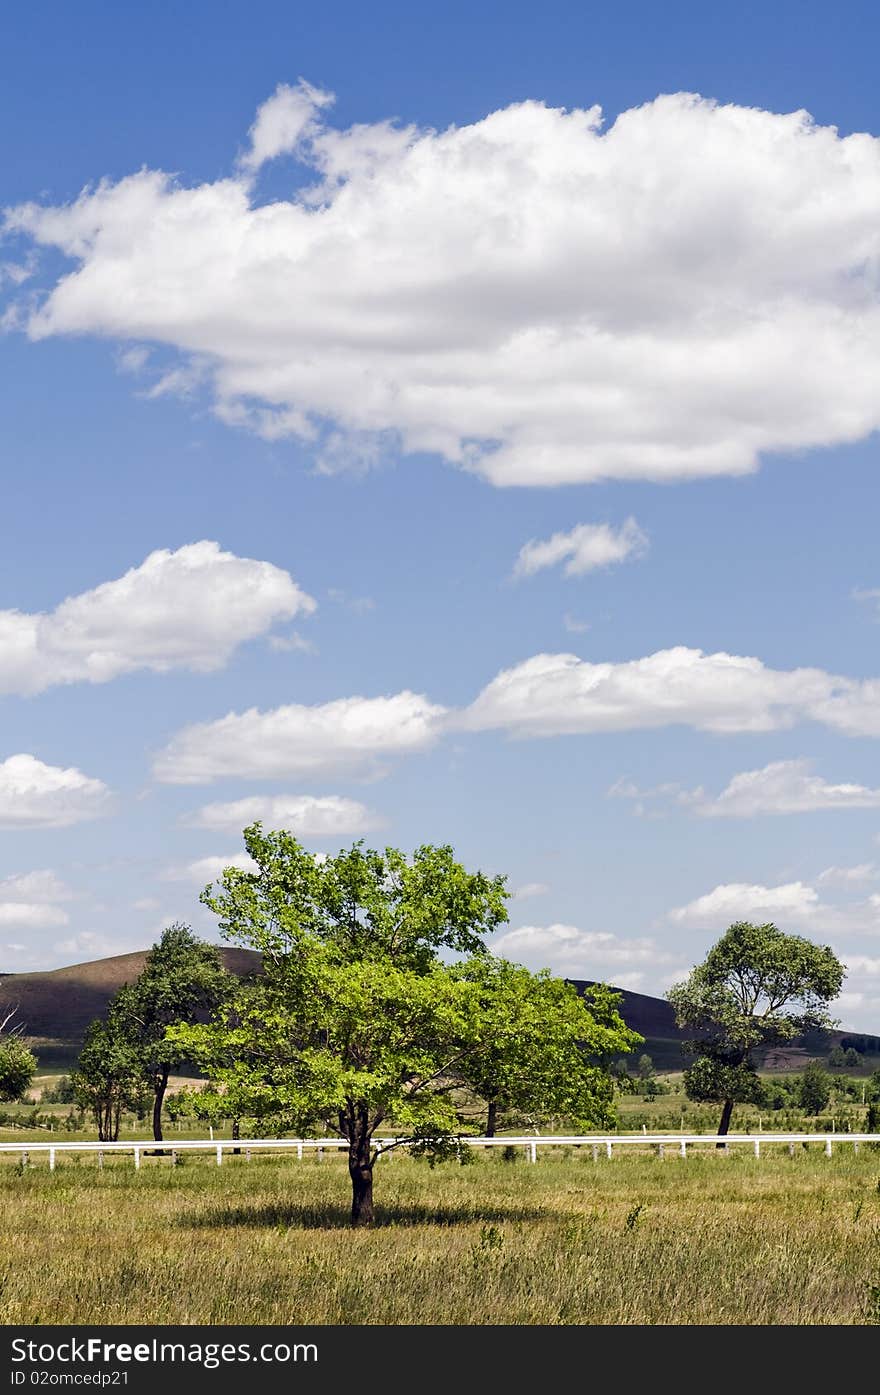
(397, 445)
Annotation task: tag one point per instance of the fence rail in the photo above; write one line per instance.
(606, 1144)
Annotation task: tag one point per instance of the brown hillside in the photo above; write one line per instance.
(59, 1004)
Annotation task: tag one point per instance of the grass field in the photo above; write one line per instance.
(638, 1239)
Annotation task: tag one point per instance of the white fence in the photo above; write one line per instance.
(605, 1145)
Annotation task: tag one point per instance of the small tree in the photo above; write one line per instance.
(357, 1023)
(837, 1058)
(757, 987)
(645, 1067)
(109, 1075)
(17, 1062)
(815, 1088)
(541, 1045)
(182, 979)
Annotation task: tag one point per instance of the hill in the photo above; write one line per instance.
(56, 1006)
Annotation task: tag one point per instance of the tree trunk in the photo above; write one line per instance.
(160, 1086)
(360, 1169)
(492, 1118)
(236, 1133)
(724, 1125)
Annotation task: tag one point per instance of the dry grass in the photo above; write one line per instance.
(636, 1240)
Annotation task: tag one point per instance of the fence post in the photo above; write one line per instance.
(684, 1150)
(51, 1159)
(247, 1154)
(24, 1159)
(100, 1157)
(856, 1146)
(219, 1154)
(608, 1148)
(299, 1151)
(533, 1152)
(757, 1147)
(659, 1150)
(828, 1145)
(173, 1157)
(595, 1153)
(137, 1157)
(791, 1150)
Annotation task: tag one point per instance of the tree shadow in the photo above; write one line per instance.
(289, 1216)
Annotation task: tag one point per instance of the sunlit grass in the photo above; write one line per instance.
(715, 1239)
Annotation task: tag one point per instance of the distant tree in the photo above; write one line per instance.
(542, 1046)
(182, 979)
(109, 1076)
(645, 1067)
(852, 1059)
(17, 1062)
(872, 1122)
(837, 1058)
(757, 987)
(815, 1088)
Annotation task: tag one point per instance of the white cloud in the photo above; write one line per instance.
(208, 869)
(35, 795)
(528, 296)
(308, 816)
(42, 887)
(734, 901)
(292, 643)
(782, 787)
(348, 735)
(284, 122)
(559, 694)
(574, 625)
(89, 945)
(530, 889)
(24, 915)
(849, 876)
(585, 548)
(190, 608)
(575, 953)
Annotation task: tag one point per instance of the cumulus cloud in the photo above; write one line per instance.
(576, 953)
(740, 901)
(29, 901)
(560, 694)
(190, 608)
(586, 548)
(284, 122)
(207, 869)
(528, 296)
(35, 795)
(349, 735)
(849, 876)
(530, 889)
(782, 787)
(308, 816)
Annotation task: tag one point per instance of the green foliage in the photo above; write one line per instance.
(815, 1088)
(17, 1066)
(757, 987)
(357, 1024)
(109, 1076)
(538, 1044)
(837, 1058)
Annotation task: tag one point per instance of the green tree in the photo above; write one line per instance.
(837, 1058)
(17, 1062)
(757, 987)
(645, 1067)
(814, 1089)
(356, 1024)
(109, 1075)
(182, 979)
(852, 1059)
(541, 1045)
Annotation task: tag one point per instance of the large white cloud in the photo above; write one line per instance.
(308, 816)
(529, 295)
(576, 953)
(782, 787)
(734, 901)
(188, 608)
(29, 901)
(36, 795)
(585, 548)
(558, 694)
(207, 869)
(351, 734)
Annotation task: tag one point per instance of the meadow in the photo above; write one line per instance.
(714, 1239)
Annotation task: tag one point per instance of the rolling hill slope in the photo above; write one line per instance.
(56, 1006)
